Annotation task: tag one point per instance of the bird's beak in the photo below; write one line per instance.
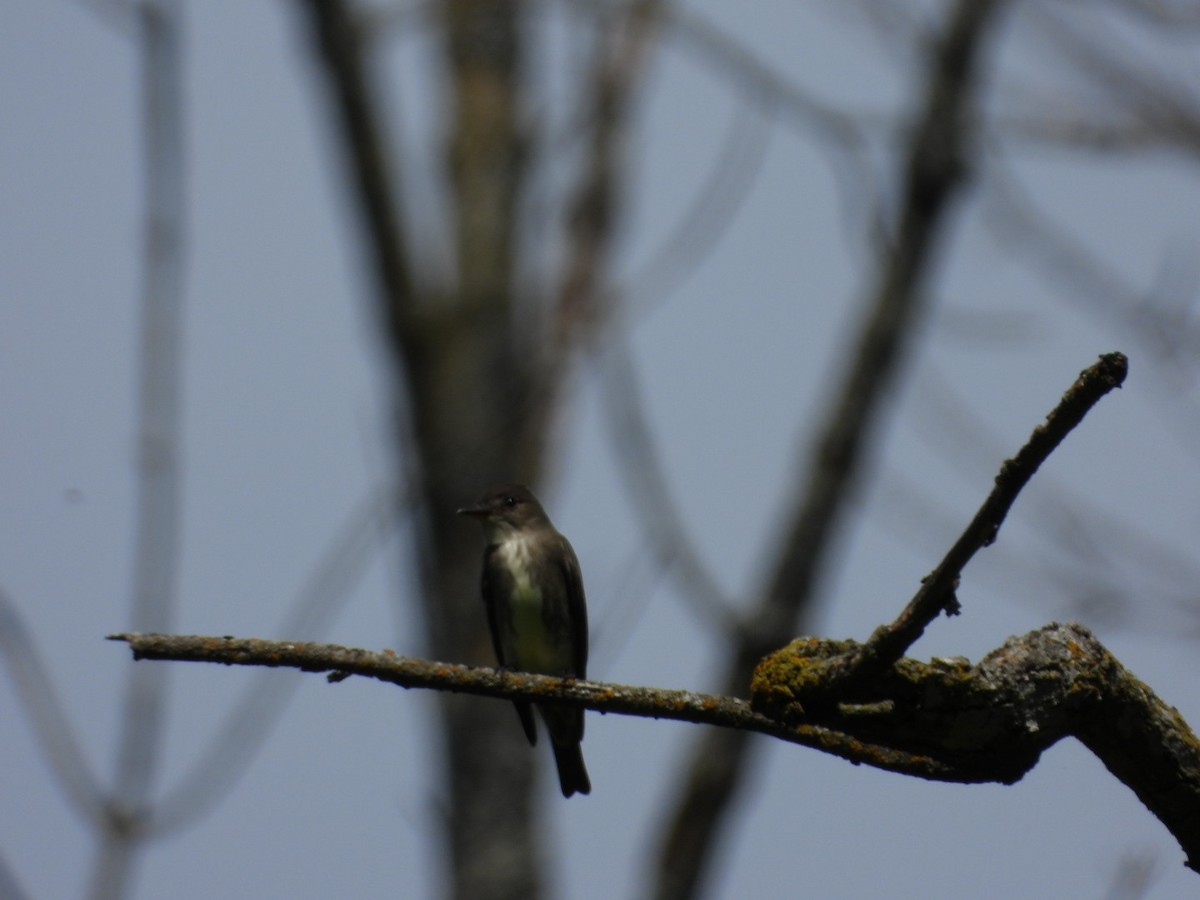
(475, 512)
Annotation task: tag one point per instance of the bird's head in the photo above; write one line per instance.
(506, 508)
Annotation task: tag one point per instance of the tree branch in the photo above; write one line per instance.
(937, 591)
(944, 721)
(991, 721)
(339, 43)
(623, 47)
(410, 672)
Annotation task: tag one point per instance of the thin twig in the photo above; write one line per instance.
(33, 684)
(644, 474)
(341, 45)
(937, 591)
(10, 886)
(710, 213)
(159, 487)
(624, 46)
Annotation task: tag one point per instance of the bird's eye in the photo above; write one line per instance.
(510, 501)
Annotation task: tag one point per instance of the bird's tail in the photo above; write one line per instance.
(572, 774)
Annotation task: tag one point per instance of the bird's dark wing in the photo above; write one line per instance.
(576, 606)
(496, 588)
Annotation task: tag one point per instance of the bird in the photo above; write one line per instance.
(533, 595)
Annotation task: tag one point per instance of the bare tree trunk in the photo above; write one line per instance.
(466, 398)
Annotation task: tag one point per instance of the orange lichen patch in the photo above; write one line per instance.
(213, 642)
(783, 679)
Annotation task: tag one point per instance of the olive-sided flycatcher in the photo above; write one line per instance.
(533, 593)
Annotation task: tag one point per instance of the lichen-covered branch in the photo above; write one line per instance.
(945, 720)
(992, 720)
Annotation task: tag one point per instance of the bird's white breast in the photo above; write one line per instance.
(517, 556)
(527, 641)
